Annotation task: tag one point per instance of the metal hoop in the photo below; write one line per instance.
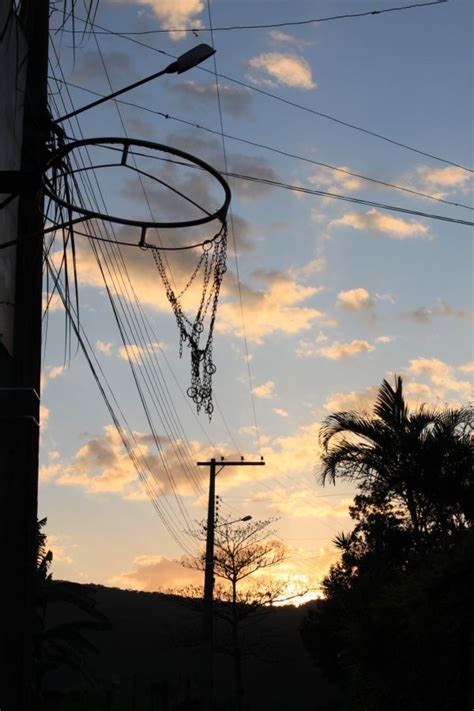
(57, 157)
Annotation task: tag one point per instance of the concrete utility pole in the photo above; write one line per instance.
(20, 384)
(208, 618)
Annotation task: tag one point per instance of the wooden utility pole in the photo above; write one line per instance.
(208, 617)
(20, 386)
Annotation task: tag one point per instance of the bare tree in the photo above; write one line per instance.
(240, 551)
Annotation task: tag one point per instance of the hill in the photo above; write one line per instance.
(151, 658)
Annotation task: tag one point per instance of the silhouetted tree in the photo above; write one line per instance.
(62, 645)
(240, 551)
(417, 463)
(395, 627)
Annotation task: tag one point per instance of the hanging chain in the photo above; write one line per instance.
(212, 264)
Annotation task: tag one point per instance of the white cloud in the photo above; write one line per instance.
(174, 14)
(336, 351)
(265, 391)
(280, 412)
(355, 299)
(467, 367)
(395, 227)
(286, 69)
(384, 339)
(105, 348)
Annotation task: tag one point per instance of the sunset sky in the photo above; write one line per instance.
(336, 296)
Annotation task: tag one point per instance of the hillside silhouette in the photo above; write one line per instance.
(150, 658)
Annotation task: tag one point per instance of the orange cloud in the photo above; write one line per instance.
(336, 351)
(265, 391)
(355, 299)
(375, 220)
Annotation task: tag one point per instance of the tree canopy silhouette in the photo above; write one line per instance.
(395, 628)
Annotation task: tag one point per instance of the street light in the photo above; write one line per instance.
(183, 63)
(227, 523)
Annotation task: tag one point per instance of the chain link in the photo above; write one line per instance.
(212, 265)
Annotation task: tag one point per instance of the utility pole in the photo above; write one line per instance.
(208, 617)
(20, 385)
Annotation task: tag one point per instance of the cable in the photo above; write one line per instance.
(172, 438)
(234, 241)
(278, 151)
(301, 107)
(296, 23)
(335, 196)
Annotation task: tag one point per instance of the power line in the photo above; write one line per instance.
(236, 258)
(294, 104)
(294, 23)
(281, 152)
(335, 196)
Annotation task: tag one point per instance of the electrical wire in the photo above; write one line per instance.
(294, 104)
(295, 23)
(234, 241)
(281, 152)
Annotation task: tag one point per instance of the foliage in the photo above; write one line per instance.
(395, 627)
(62, 645)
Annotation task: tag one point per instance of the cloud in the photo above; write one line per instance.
(438, 389)
(355, 300)
(362, 401)
(44, 416)
(174, 14)
(318, 264)
(334, 181)
(449, 177)
(105, 348)
(234, 100)
(395, 227)
(336, 351)
(302, 504)
(280, 412)
(424, 314)
(58, 548)
(286, 69)
(279, 37)
(441, 377)
(152, 573)
(103, 466)
(52, 302)
(276, 309)
(384, 339)
(265, 391)
(467, 367)
(135, 353)
(90, 67)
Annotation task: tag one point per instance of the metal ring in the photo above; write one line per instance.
(63, 151)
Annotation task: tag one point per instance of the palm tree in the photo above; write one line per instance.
(419, 461)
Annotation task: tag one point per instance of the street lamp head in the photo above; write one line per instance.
(246, 518)
(190, 59)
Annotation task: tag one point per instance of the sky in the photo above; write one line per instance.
(322, 298)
